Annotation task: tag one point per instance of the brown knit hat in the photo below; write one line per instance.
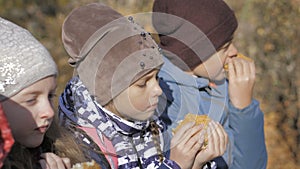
(193, 30)
(109, 51)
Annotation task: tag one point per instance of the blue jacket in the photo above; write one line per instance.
(183, 93)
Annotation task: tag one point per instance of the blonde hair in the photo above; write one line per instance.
(156, 139)
(64, 144)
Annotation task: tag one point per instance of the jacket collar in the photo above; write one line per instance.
(173, 74)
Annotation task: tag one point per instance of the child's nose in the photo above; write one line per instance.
(47, 110)
(156, 89)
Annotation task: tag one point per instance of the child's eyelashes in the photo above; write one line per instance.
(144, 83)
(51, 96)
(141, 85)
(31, 101)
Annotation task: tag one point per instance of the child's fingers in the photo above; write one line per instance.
(222, 139)
(243, 68)
(210, 137)
(238, 66)
(53, 161)
(188, 146)
(200, 138)
(189, 139)
(189, 134)
(196, 141)
(231, 71)
(252, 70)
(217, 139)
(248, 74)
(67, 162)
(178, 136)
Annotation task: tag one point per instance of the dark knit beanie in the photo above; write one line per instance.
(192, 30)
(109, 51)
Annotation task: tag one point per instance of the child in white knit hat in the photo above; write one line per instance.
(27, 88)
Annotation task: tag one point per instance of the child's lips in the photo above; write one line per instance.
(153, 106)
(42, 129)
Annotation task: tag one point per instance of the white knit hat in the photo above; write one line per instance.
(23, 59)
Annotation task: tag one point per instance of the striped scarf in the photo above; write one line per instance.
(133, 141)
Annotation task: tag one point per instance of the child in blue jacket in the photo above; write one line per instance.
(196, 38)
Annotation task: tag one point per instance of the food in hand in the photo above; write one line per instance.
(239, 55)
(86, 165)
(199, 120)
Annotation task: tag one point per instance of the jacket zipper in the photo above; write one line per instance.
(133, 145)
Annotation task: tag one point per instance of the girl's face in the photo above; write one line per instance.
(139, 101)
(30, 112)
(212, 68)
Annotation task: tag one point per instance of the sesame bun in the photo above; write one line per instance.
(199, 120)
(239, 55)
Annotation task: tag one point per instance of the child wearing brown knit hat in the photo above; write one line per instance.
(196, 38)
(113, 96)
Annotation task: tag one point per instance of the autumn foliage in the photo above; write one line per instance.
(268, 32)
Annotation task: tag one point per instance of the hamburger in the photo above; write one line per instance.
(199, 120)
(86, 165)
(239, 55)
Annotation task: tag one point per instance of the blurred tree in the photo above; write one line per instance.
(269, 32)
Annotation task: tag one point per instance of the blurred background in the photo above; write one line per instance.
(269, 32)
